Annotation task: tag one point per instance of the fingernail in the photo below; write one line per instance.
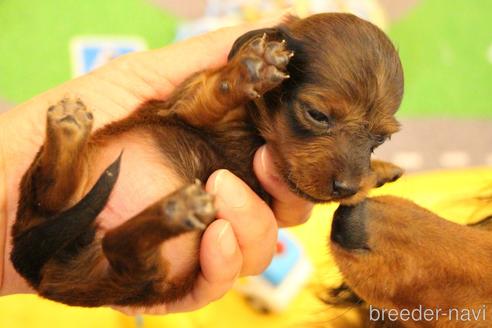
(228, 191)
(227, 241)
(266, 164)
(217, 181)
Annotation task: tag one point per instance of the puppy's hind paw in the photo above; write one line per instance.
(189, 208)
(71, 117)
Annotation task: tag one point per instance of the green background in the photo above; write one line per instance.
(445, 46)
(446, 50)
(35, 37)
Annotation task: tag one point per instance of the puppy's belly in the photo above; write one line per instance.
(145, 177)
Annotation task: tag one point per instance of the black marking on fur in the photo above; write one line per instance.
(34, 247)
(296, 126)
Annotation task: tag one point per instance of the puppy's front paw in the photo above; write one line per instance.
(264, 65)
(385, 172)
(71, 117)
(189, 208)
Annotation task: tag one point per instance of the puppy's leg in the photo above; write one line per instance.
(46, 222)
(54, 179)
(126, 266)
(342, 296)
(385, 172)
(257, 67)
(132, 249)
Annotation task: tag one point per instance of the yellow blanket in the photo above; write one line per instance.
(448, 193)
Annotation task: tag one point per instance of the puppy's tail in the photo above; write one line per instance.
(37, 245)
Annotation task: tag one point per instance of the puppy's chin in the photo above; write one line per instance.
(294, 187)
(367, 184)
(328, 197)
(353, 200)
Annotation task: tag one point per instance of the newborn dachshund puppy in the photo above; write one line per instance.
(321, 91)
(395, 255)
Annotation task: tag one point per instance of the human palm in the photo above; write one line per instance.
(227, 248)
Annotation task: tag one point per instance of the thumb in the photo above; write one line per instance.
(289, 208)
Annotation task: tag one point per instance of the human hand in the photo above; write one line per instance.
(229, 246)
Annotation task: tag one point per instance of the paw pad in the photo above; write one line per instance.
(189, 208)
(264, 65)
(70, 116)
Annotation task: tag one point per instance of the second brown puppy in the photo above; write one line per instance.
(321, 91)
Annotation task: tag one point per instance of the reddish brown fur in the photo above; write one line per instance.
(416, 258)
(345, 72)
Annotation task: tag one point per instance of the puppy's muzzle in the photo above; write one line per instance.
(343, 189)
(349, 227)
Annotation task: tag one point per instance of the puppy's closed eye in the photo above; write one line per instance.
(316, 120)
(379, 139)
(318, 117)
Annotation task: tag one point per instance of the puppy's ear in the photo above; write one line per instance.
(272, 33)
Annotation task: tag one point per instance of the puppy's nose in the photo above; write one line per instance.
(349, 226)
(343, 189)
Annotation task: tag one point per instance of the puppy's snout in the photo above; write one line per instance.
(349, 227)
(344, 188)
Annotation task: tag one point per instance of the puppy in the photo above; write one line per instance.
(397, 256)
(321, 91)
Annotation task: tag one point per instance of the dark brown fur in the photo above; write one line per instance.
(321, 125)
